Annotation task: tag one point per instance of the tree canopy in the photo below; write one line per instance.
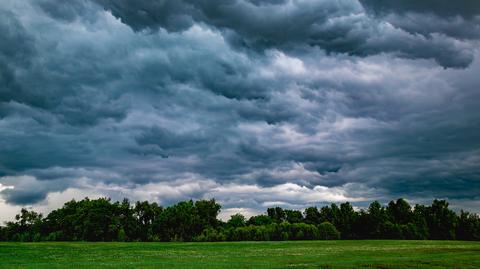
(104, 220)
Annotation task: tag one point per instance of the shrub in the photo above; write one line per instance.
(327, 231)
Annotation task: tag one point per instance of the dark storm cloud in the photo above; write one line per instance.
(68, 10)
(456, 19)
(253, 102)
(335, 26)
(24, 197)
(28, 190)
(16, 44)
(445, 8)
(15, 50)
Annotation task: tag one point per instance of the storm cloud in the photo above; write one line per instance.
(255, 103)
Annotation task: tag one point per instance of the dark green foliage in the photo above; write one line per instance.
(282, 231)
(326, 231)
(441, 220)
(277, 214)
(210, 235)
(293, 216)
(207, 211)
(26, 227)
(179, 222)
(146, 216)
(90, 220)
(103, 220)
(399, 212)
(468, 227)
(237, 220)
(312, 216)
(183, 221)
(260, 220)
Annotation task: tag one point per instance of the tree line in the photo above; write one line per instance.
(104, 220)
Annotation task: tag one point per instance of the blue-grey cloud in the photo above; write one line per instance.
(444, 8)
(168, 100)
(335, 26)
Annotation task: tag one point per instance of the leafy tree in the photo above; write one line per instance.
(146, 214)
(207, 211)
(26, 227)
(102, 220)
(210, 235)
(468, 227)
(259, 220)
(441, 220)
(179, 222)
(293, 216)
(420, 221)
(345, 220)
(237, 220)
(312, 216)
(327, 231)
(277, 214)
(399, 212)
(331, 214)
(376, 217)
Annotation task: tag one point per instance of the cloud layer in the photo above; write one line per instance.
(257, 103)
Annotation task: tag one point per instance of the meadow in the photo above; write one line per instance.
(284, 254)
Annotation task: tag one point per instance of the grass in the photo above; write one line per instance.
(290, 254)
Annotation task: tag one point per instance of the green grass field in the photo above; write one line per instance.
(292, 254)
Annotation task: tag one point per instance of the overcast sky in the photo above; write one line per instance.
(256, 103)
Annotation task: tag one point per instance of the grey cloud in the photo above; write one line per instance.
(171, 15)
(27, 189)
(463, 8)
(267, 2)
(16, 49)
(337, 27)
(460, 19)
(168, 140)
(23, 197)
(426, 24)
(175, 100)
(68, 10)
(17, 45)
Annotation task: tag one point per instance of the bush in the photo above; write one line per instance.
(327, 231)
(210, 235)
(121, 235)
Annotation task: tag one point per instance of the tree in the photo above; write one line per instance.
(331, 214)
(237, 220)
(207, 211)
(312, 216)
(399, 212)
(26, 227)
(179, 222)
(468, 227)
(277, 214)
(259, 220)
(102, 220)
(420, 213)
(441, 220)
(346, 220)
(327, 231)
(146, 214)
(376, 218)
(293, 216)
